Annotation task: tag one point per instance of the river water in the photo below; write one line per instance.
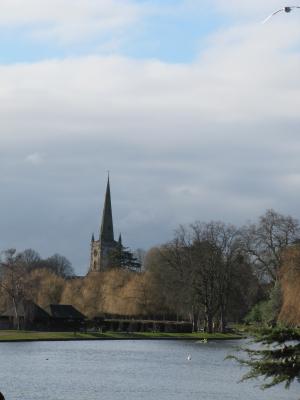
(127, 370)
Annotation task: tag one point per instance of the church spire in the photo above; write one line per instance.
(107, 229)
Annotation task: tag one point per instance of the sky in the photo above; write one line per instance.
(193, 107)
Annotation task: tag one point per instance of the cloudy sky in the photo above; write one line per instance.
(193, 106)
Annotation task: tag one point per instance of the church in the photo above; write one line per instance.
(102, 248)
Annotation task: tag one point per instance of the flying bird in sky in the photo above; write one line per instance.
(285, 9)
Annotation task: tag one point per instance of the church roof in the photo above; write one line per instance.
(107, 229)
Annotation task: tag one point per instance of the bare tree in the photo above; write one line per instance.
(30, 259)
(265, 241)
(224, 243)
(204, 263)
(60, 265)
(177, 264)
(13, 280)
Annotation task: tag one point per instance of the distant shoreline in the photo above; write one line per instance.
(33, 336)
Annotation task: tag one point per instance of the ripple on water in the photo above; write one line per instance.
(126, 370)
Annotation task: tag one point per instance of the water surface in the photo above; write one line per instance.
(127, 370)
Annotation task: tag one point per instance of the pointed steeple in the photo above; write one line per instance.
(93, 238)
(107, 229)
(120, 239)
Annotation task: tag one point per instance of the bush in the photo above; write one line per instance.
(255, 315)
(266, 312)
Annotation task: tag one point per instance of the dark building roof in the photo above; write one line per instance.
(27, 309)
(64, 311)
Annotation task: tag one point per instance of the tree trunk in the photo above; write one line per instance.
(209, 322)
(16, 313)
(195, 322)
(222, 321)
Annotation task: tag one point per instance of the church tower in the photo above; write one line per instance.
(101, 249)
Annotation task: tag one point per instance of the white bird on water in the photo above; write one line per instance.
(285, 9)
(189, 357)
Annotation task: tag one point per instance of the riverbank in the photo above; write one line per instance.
(30, 336)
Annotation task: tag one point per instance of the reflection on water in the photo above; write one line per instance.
(123, 370)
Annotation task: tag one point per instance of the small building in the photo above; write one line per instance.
(65, 317)
(28, 316)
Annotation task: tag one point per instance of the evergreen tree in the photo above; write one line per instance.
(278, 361)
(122, 257)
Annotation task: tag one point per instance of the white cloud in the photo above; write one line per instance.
(68, 20)
(248, 76)
(214, 139)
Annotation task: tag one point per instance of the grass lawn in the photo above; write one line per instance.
(13, 335)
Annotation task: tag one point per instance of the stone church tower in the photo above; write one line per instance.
(101, 249)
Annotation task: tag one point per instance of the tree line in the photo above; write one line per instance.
(209, 273)
(214, 272)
